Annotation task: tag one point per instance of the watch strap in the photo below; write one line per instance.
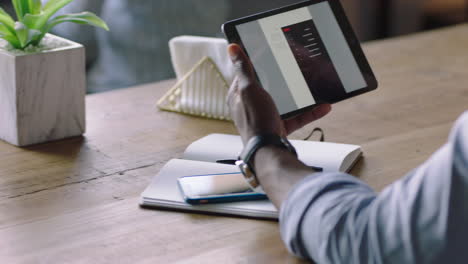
(259, 141)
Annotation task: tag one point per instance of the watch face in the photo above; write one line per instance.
(248, 175)
(240, 164)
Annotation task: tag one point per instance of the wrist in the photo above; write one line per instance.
(251, 148)
(278, 171)
(273, 155)
(271, 159)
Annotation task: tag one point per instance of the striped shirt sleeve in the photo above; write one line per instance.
(421, 218)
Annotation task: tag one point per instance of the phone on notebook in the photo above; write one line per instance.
(304, 54)
(216, 188)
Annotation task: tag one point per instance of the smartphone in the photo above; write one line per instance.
(216, 188)
(304, 54)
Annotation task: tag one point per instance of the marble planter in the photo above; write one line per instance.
(42, 94)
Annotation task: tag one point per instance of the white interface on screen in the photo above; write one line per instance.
(301, 57)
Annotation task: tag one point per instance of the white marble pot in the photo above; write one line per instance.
(42, 92)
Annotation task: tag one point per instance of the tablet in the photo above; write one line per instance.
(304, 54)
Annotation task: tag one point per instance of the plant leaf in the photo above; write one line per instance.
(21, 8)
(13, 40)
(6, 16)
(18, 8)
(53, 6)
(51, 3)
(35, 6)
(85, 18)
(38, 21)
(32, 21)
(22, 33)
(25, 35)
(7, 30)
(7, 20)
(4, 30)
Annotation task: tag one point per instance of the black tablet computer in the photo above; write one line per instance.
(304, 54)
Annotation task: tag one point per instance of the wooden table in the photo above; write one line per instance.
(77, 200)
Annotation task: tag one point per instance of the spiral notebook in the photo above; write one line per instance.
(201, 156)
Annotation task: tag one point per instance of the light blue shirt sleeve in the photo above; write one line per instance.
(422, 218)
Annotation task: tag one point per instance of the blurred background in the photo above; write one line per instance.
(136, 51)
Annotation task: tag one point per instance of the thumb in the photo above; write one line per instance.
(242, 64)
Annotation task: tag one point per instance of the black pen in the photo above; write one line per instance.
(227, 161)
(233, 162)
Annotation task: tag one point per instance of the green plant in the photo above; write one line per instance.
(35, 21)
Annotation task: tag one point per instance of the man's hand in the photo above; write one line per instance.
(253, 109)
(254, 113)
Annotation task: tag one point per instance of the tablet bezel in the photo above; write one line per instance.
(230, 31)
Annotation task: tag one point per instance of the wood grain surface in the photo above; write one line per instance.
(76, 201)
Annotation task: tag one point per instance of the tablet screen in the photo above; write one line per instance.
(301, 57)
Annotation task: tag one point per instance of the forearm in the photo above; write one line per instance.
(278, 171)
(335, 218)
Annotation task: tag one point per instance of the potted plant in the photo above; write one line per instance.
(42, 76)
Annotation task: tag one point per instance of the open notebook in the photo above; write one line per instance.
(201, 156)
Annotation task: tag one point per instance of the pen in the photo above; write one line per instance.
(227, 161)
(233, 162)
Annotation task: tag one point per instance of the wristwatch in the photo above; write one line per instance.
(253, 145)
